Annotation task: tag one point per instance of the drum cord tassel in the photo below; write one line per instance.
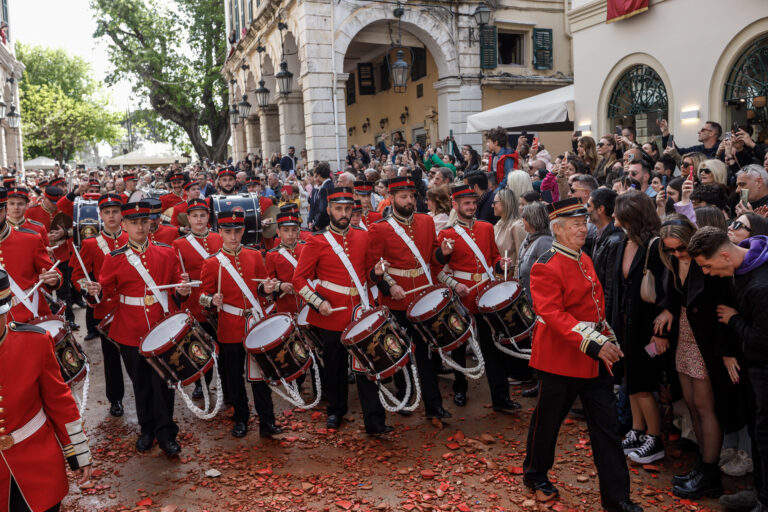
(82, 403)
(386, 397)
(294, 397)
(201, 413)
(522, 353)
(472, 373)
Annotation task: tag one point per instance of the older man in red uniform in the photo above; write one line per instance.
(336, 257)
(574, 350)
(92, 253)
(38, 419)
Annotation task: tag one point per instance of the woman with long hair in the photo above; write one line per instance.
(705, 356)
(747, 225)
(519, 182)
(509, 229)
(606, 151)
(691, 162)
(587, 151)
(712, 171)
(439, 205)
(632, 316)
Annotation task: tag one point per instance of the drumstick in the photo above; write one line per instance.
(82, 266)
(342, 308)
(193, 284)
(34, 288)
(181, 260)
(417, 289)
(260, 280)
(475, 286)
(505, 264)
(219, 290)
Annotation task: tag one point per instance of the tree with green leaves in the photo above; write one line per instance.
(63, 107)
(173, 52)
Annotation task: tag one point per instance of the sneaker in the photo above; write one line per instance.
(726, 454)
(739, 465)
(632, 441)
(651, 450)
(743, 501)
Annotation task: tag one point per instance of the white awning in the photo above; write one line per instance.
(149, 154)
(554, 106)
(40, 163)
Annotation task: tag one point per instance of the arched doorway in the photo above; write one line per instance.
(639, 98)
(746, 88)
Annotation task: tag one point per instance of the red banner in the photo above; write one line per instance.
(622, 9)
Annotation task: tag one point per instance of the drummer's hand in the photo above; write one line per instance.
(269, 285)
(325, 308)
(381, 267)
(610, 353)
(84, 475)
(94, 288)
(55, 234)
(461, 290)
(506, 263)
(447, 246)
(49, 277)
(286, 287)
(266, 222)
(397, 292)
(218, 299)
(185, 277)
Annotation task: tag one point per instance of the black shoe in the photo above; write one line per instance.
(378, 430)
(351, 378)
(170, 447)
(404, 413)
(508, 405)
(704, 481)
(116, 409)
(530, 392)
(622, 506)
(91, 336)
(269, 430)
(73, 326)
(240, 429)
(333, 421)
(144, 442)
(681, 479)
(460, 399)
(438, 413)
(197, 394)
(546, 488)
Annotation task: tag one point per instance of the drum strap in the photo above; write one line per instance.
(362, 225)
(288, 256)
(17, 292)
(255, 307)
(102, 244)
(135, 262)
(361, 290)
(475, 249)
(196, 246)
(412, 246)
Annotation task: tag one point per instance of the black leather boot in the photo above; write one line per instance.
(705, 482)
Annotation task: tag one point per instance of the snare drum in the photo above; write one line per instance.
(310, 334)
(276, 350)
(506, 309)
(179, 349)
(104, 325)
(377, 346)
(441, 318)
(68, 352)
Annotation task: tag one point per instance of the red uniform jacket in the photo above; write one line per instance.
(170, 200)
(369, 218)
(40, 214)
(182, 208)
(282, 269)
(463, 259)
(385, 243)
(32, 225)
(250, 265)
(65, 205)
(93, 252)
(24, 257)
(165, 234)
(30, 380)
(318, 261)
(193, 263)
(118, 277)
(565, 291)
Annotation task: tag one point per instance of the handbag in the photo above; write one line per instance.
(648, 284)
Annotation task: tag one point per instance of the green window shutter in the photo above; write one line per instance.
(542, 48)
(488, 47)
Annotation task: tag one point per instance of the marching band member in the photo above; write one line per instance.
(193, 250)
(9, 182)
(45, 209)
(569, 344)
(337, 258)
(159, 232)
(235, 296)
(93, 251)
(176, 195)
(131, 182)
(24, 256)
(18, 202)
(226, 182)
(363, 191)
(281, 262)
(407, 241)
(471, 259)
(192, 191)
(131, 273)
(40, 424)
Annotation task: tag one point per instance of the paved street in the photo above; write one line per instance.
(472, 463)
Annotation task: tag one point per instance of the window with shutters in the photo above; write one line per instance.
(542, 48)
(351, 89)
(511, 49)
(488, 47)
(419, 64)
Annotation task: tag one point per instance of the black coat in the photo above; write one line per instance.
(485, 207)
(701, 294)
(751, 324)
(604, 251)
(318, 215)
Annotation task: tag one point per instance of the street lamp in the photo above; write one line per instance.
(234, 114)
(283, 77)
(262, 93)
(482, 15)
(13, 117)
(244, 107)
(398, 69)
(2, 110)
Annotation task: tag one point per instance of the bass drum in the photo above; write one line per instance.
(247, 203)
(86, 220)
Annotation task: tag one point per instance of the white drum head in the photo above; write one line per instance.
(267, 331)
(428, 302)
(364, 324)
(301, 319)
(163, 332)
(499, 294)
(53, 326)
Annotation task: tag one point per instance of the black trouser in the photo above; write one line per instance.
(427, 363)
(495, 370)
(113, 369)
(66, 292)
(90, 322)
(556, 396)
(208, 328)
(232, 364)
(154, 399)
(18, 504)
(758, 431)
(336, 385)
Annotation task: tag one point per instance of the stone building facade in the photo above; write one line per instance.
(11, 152)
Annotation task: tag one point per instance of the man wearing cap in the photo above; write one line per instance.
(407, 241)
(44, 211)
(92, 252)
(235, 295)
(9, 182)
(193, 250)
(18, 202)
(192, 191)
(473, 260)
(574, 350)
(131, 181)
(226, 182)
(176, 195)
(337, 258)
(281, 262)
(24, 256)
(159, 232)
(363, 191)
(131, 274)
(40, 424)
